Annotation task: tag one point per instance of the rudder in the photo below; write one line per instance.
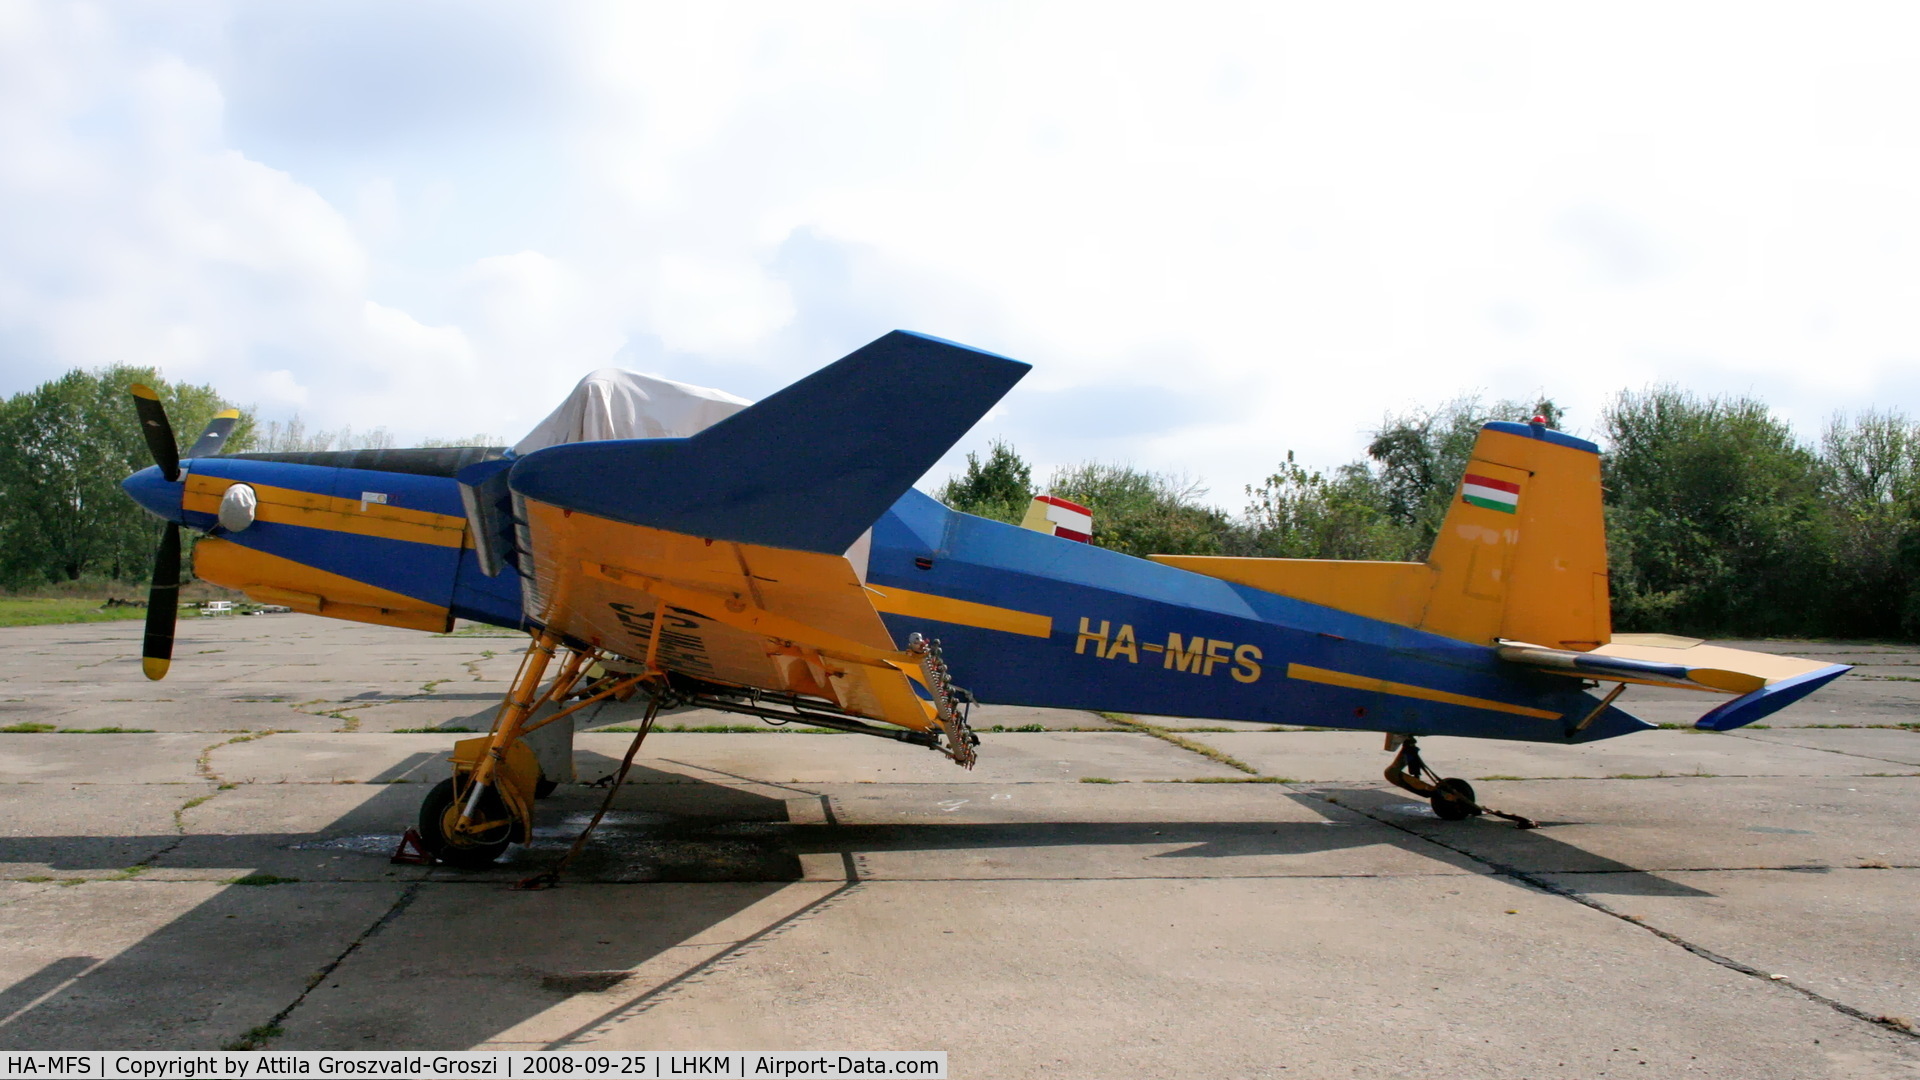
(1522, 553)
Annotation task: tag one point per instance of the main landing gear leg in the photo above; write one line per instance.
(468, 819)
(1452, 797)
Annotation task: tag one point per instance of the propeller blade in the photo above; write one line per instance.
(159, 434)
(163, 606)
(214, 439)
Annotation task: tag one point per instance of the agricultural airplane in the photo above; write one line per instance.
(780, 564)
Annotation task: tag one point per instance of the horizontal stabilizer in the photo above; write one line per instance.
(1764, 681)
(808, 469)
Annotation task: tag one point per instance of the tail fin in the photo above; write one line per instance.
(1522, 558)
(1522, 554)
(809, 469)
(1055, 516)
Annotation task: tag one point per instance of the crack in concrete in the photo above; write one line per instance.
(1884, 1023)
(1820, 749)
(1539, 884)
(203, 764)
(341, 711)
(1167, 736)
(400, 904)
(1505, 778)
(645, 1001)
(599, 1024)
(847, 856)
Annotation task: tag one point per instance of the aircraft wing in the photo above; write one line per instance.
(725, 556)
(724, 612)
(1764, 682)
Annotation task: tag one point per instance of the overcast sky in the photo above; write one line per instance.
(1218, 232)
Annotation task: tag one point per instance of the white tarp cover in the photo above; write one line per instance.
(615, 404)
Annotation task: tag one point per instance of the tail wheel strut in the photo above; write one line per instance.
(1452, 798)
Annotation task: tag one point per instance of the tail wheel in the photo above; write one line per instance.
(1454, 801)
(440, 811)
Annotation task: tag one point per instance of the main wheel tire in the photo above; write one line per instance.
(464, 851)
(1454, 801)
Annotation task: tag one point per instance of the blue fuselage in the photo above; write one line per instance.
(1120, 633)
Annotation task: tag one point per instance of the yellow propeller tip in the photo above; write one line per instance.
(155, 667)
(142, 390)
(227, 414)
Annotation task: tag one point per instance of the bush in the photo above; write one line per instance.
(1143, 513)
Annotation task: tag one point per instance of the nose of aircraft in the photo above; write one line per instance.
(154, 492)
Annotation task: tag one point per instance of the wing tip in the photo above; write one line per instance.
(1769, 699)
(935, 339)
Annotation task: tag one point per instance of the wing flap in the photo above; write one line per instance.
(771, 619)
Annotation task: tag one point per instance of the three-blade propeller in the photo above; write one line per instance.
(163, 597)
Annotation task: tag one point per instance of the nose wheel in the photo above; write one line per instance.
(473, 846)
(1452, 798)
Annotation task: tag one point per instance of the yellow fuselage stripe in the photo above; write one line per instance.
(890, 600)
(274, 579)
(1383, 686)
(291, 506)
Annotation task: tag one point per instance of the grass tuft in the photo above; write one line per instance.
(106, 731)
(1097, 780)
(1164, 735)
(26, 729)
(35, 611)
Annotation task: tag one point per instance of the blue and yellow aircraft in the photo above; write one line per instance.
(780, 564)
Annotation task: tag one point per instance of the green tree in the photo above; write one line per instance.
(1143, 513)
(1302, 514)
(1717, 520)
(1421, 455)
(64, 448)
(999, 487)
(1872, 464)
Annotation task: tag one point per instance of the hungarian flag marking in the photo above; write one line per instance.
(1490, 493)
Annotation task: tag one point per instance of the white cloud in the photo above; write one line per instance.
(1218, 236)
